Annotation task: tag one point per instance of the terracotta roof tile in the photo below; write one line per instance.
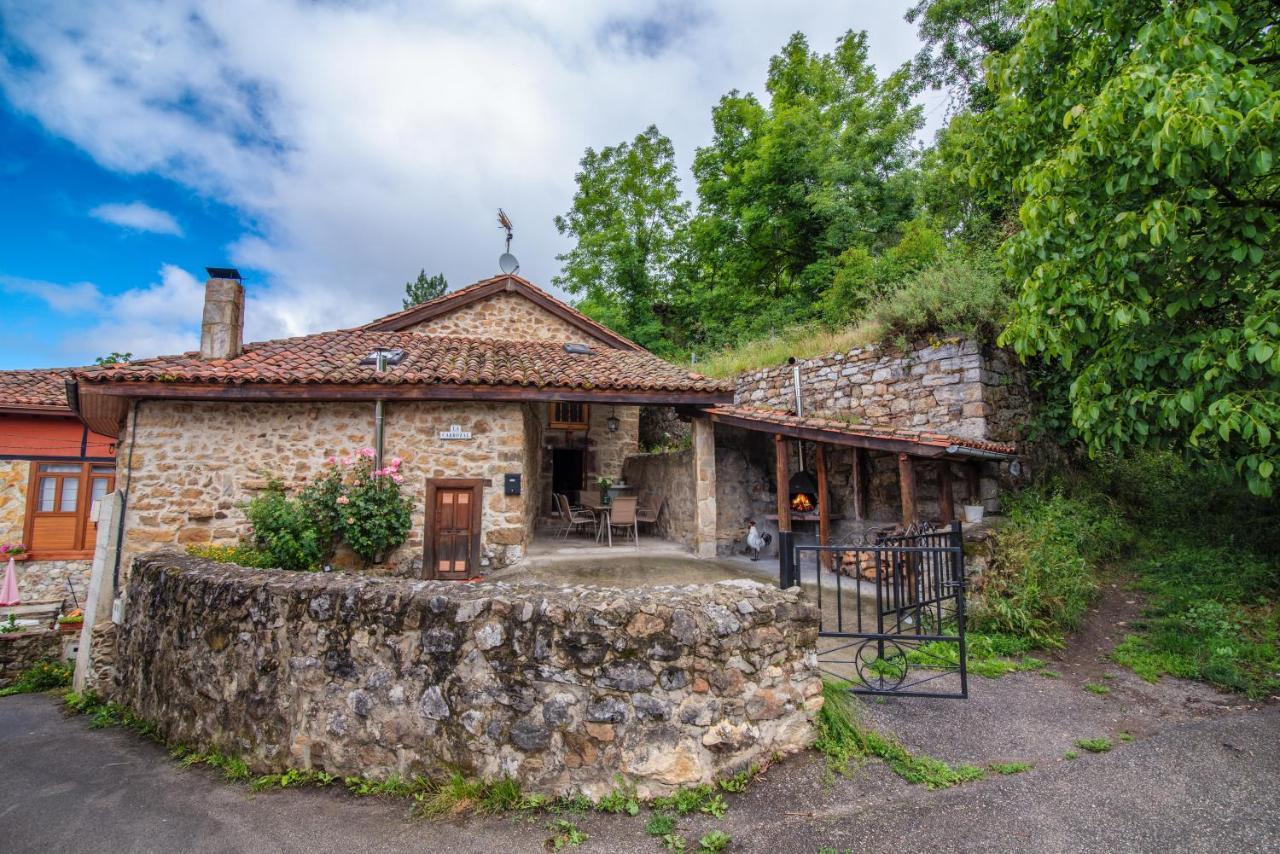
(43, 389)
(849, 428)
(333, 357)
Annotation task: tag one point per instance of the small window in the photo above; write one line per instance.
(58, 504)
(568, 415)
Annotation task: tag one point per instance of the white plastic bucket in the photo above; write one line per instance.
(973, 513)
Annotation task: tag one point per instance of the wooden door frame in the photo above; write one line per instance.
(434, 485)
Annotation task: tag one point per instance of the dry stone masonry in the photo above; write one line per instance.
(20, 650)
(504, 315)
(559, 687)
(953, 386)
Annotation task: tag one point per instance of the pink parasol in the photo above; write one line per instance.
(9, 594)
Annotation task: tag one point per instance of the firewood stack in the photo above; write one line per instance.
(861, 564)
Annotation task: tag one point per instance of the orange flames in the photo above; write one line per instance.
(802, 503)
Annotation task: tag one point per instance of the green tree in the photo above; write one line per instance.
(424, 288)
(958, 35)
(1142, 136)
(786, 188)
(627, 219)
(114, 358)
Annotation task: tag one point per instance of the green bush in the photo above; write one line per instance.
(1046, 564)
(284, 530)
(961, 294)
(41, 676)
(240, 555)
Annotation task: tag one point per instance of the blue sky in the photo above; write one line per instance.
(330, 151)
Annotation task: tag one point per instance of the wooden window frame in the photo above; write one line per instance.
(435, 484)
(557, 424)
(84, 504)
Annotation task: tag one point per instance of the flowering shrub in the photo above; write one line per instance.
(351, 503)
(8, 550)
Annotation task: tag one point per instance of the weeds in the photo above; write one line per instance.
(1125, 737)
(842, 738)
(738, 782)
(622, 799)
(1070, 754)
(42, 676)
(702, 799)
(1007, 768)
(564, 834)
(713, 841)
(1095, 688)
(233, 768)
(660, 824)
(292, 779)
(1094, 745)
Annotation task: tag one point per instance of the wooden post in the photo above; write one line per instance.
(907, 486)
(973, 474)
(946, 501)
(859, 485)
(824, 508)
(784, 500)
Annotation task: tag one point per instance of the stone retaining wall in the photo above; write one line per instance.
(20, 650)
(560, 687)
(953, 386)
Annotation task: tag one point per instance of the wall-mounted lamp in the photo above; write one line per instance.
(612, 422)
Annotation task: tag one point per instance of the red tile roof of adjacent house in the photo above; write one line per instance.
(334, 358)
(35, 390)
(455, 300)
(836, 429)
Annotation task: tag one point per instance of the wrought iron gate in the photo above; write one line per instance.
(892, 612)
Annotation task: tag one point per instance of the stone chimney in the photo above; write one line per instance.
(222, 327)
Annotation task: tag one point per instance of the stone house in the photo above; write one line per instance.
(52, 470)
(492, 396)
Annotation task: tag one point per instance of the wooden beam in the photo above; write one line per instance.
(824, 505)
(784, 476)
(907, 486)
(946, 501)
(832, 437)
(859, 484)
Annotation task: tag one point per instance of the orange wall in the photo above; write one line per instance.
(48, 436)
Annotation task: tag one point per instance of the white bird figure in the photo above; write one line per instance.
(755, 541)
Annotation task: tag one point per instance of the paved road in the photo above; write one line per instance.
(1207, 784)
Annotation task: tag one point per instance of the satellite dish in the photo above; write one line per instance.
(508, 263)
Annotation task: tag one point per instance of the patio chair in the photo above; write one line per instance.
(649, 509)
(622, 515)
(573, 518)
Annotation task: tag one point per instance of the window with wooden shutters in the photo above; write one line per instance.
(569, 415)
(58, 502)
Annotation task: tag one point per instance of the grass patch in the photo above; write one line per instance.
(1007, 768)
(1095, 688)
(693, 799)
(991, 655)
(713, 841)
(842, 738)
(1044, 571)
(736, 783)
(1070, 754)
(42, 676)
(1125, 737)
(1094, 745)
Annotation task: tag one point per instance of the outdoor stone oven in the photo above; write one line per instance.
(559, 687)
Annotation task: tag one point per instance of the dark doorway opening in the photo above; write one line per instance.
(568, 467)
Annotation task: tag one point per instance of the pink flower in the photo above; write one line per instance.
(332, 461)
(368, 452)
(347, 461)
(342, 499)
(398, 478)
(395, 462)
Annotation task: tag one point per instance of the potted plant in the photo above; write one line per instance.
(605, 484)
(17, 551)
(71, 621)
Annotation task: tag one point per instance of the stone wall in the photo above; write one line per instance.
(195, 464)
(46, 580)
(610, 450)
(560, 687)
(504, 315)
(15, 475)
(952, 386)
(20, 650)
(669, 475)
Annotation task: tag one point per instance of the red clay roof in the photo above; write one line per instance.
(39, 389)
(455, 300)
(333, 358)
(788, 421)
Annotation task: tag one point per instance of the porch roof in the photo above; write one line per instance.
(35, 391)
(834, 431)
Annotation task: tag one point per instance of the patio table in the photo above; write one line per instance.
(593, 503)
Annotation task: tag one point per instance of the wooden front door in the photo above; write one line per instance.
(453, 528)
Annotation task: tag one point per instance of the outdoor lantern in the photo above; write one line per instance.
(612, 422)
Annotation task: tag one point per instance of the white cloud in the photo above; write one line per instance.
(139, 217)
(367, 141)
(75, 297)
